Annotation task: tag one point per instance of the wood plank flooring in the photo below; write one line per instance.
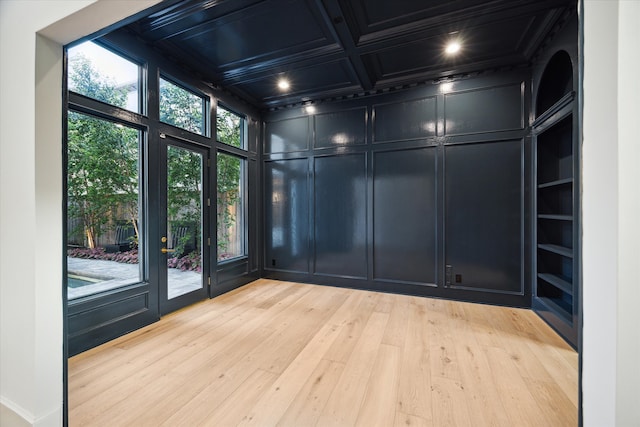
(288, 354)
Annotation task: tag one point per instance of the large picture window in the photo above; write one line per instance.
(103, 192)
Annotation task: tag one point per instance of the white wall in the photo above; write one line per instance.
(628, 337)
(31, 198)
(611, 182)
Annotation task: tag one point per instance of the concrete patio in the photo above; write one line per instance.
(111, 275)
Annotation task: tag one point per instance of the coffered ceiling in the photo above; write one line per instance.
(332, 48)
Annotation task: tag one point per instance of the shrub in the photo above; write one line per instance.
(189, 262)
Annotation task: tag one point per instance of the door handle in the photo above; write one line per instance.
(167, 251)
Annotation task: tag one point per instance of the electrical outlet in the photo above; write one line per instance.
(458, 278)
(273, 262)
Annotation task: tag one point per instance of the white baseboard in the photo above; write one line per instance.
(13, 415)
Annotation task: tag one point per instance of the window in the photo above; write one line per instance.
(181, 108)
(230, 211)
(98, 73)
(230, 128)
(103, 192)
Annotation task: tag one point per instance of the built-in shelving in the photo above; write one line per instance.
(556, 256)
(556, 249)
(557, 281)
(556, 217)
(558, 182)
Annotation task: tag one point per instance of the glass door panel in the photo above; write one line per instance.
(182, 279)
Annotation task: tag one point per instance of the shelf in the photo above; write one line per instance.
(556, 249)
(556, 183)
(555, 157)
(558, 282)
(557, 111)
(559, 307)
(556, 217)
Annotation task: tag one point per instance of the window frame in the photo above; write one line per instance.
(244, 177)
(142, 75)
(243, 154)
(206, 104)
(243, 128)
(143, 189)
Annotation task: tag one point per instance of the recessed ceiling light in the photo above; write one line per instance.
(446, 87)
(453, 47)
(283, 84)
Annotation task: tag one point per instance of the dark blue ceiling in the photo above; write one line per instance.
(329, 48)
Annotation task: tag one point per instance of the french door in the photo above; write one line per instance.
(184, 241)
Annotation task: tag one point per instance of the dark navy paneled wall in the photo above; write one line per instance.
(476, 111)
(287, 135)
(287, 215)
(421, 191)
(340, 215)
(484, 213)
(404, 120)
(341, 128)
(405, 216)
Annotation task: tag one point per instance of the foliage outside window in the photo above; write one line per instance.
(181, 108)
(230, 192)
(103, 193)
(102, 175)
(184, 208)
(100, 74)
(229, 127)
(230, 207)
(102, 185)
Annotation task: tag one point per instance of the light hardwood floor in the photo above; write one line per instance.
(289, 354)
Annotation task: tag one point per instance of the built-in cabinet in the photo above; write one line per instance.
(556, 282)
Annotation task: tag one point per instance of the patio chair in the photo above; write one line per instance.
(123, 239)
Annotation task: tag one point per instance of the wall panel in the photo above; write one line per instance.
(340, 237)
(483, 216)
(341, 129)
(287, 215)
(286, 136)
(406, 120)
(405, 213)
(491, 109)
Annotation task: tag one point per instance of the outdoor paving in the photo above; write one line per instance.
(112, 274)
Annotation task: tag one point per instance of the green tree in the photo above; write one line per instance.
(184, 195)
(103, 159)
(102, 163)
(181, 108)
(229, 169)
(228, 129)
